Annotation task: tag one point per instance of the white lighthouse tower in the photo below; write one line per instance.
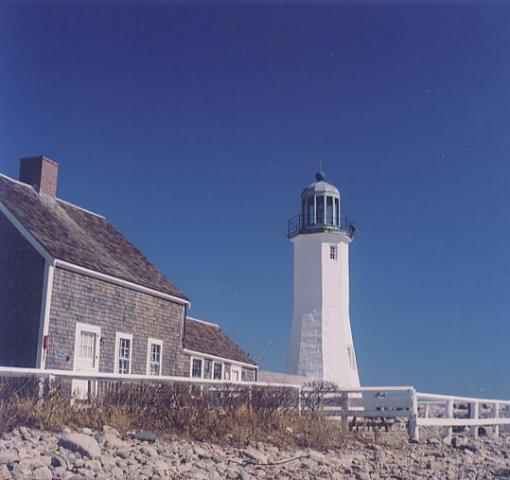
(321, 345)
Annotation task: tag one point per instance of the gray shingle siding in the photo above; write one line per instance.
(21, 284)
(81, 298)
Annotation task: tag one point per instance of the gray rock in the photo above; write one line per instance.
(22, 453)
(308, 464)
(5, 473)
(78, 442)
(145, 436)
(58, 461)
(25, 465)
(459, 442)
(111, 430)
(58, 472)
(434, 441)
(112, 441)
(201, 452)
(244, 475)
(8, 456)
(161, 468)
(255, 455)
(149, 451)
(447, 441)
(107, 461)
(183, 468)
(86, 473)
(117, 472)
(123, 453)
(71, 476)
(232, 473)
(42, 473)
(94, 465)
(363, 476)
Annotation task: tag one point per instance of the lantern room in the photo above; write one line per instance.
(320, 210)
(320, 204)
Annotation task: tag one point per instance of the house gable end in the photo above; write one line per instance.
(21, 292)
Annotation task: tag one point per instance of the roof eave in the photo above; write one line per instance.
(41, 249)
(216, 357)
(119, 281)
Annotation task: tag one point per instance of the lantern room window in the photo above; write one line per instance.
(320, 209)
(309, 215)
(329, 210)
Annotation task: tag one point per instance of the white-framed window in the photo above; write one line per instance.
(236, 373)
(332, 252)
(154, 356)
(227, 368)
(197, 367)
(352, 357)
(123, 352)
(217, 370)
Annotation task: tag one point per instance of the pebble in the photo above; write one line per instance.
(38, 455)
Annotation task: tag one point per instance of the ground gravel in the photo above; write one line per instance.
(27, 454)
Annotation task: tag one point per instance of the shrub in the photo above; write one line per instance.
(230, 414)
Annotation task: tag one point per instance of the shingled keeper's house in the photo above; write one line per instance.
(76, 295)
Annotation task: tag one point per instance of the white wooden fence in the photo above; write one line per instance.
(384, 403)
(450, 411)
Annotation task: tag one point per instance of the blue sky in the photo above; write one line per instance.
(194, 127)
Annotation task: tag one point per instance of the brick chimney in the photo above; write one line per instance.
(40, 172)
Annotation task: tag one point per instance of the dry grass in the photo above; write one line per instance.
(234, 417)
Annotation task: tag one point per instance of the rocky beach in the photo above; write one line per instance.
(29, 454)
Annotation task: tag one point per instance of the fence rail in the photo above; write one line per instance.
(434, 410)
(131, 378)
(384, 403)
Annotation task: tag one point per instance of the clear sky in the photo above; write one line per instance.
(194, 127)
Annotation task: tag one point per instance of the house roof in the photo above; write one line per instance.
(210, 339)
(80, 237)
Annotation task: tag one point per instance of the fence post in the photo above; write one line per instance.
(426, 410)
(412, 423)
(299, 401)
(449, 414)
(474, 412)
(496, 415)
(345, 416)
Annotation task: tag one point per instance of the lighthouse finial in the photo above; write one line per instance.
(320, 176)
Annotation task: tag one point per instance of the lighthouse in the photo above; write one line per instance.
(321, 345)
